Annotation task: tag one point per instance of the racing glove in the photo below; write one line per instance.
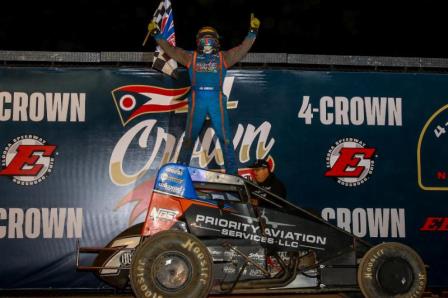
(254, 23)
(153, 29)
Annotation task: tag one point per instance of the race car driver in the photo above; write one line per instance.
(207, 68)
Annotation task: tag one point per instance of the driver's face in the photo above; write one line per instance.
(207, 44)
(261, 174)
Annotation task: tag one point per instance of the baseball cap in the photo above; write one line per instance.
(260, 163)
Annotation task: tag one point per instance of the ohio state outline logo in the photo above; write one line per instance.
(350, 162)
(28, 160)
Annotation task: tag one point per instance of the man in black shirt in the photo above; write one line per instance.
(266, 179)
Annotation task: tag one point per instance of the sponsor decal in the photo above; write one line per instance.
(42, 106)
(274, 234)
(165, 176)
(28, 160)
(177, 190)
(171, 182)
(371, 222)
(126, 259)
(350, 162)
(175, 171)
(47, 223)
(229, 269)
(209, 66)
(435, 224)
(122, 257)
(358, 110)
(162, 214)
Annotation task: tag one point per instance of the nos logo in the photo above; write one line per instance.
(28, 159)
(163, 214)
(350, 162)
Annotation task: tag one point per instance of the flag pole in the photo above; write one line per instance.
(146, 38)
(147, 34)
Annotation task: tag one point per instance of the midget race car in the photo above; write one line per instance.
(207, 232)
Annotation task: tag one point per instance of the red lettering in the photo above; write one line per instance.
(25, 156)
(441, 175)
(347, 159)
(444, 225)
(431, 224)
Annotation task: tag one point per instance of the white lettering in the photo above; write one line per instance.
(376, 110)
(170, 153)
(78, 107)
(326, 118)
(20, 105)
(3, 216)
(57, 106)
(397, 218)
(358, 110)
(37, 106)
(375, 223)
(5, 114)
(359, 222)
(341, 110)
(32, 223)
(35, 223)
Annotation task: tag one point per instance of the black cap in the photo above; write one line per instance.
(260, 163)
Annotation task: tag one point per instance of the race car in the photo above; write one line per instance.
(207, 232)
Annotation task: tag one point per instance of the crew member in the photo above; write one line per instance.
(267, 180)
(207, 68)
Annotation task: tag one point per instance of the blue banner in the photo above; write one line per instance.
(80, 148)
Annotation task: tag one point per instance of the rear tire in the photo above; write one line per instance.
(392, 270)
(171, 264)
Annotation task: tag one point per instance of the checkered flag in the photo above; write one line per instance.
(163, 16)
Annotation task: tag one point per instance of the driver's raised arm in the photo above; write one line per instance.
(237, 53)
(180, 55)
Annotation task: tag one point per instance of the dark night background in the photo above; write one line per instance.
(376, 28)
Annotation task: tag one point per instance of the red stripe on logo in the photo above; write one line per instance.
(156, 108)
(156, 90)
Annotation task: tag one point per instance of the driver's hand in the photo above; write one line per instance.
(254, 22)
(153, 28)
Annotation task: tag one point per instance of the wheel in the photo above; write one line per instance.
(392, 270)
(171, 264)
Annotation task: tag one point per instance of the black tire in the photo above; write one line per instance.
(392, 270)
(171, 264)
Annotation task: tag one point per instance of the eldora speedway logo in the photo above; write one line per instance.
(350, 162)
(28, 159)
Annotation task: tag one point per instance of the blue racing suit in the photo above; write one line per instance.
(207, 73)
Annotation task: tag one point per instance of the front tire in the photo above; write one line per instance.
(392, 270)
(171, 264)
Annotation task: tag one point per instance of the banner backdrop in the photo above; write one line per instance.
(80, 148)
